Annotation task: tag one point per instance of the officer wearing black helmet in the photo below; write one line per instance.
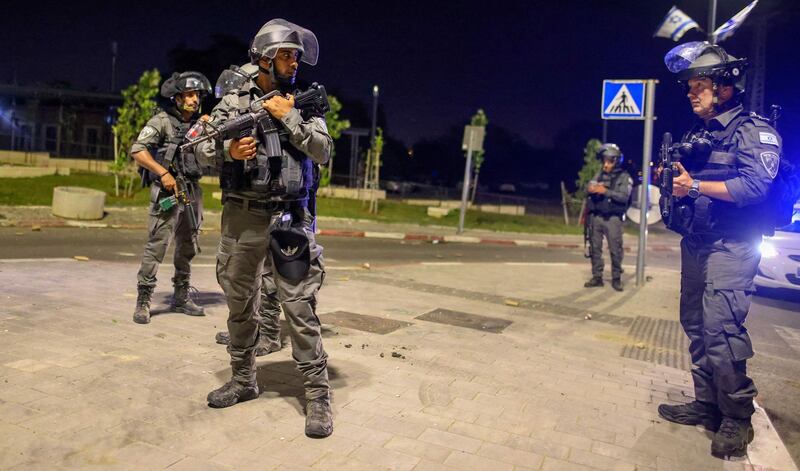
(727, 164)
(265, 219)
(609, 195)
(168, 128)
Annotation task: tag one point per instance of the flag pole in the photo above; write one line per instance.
(712, 21)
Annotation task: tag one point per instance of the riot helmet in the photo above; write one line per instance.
(279, 33)
(610, 152)
(699, 59)
(185, 82)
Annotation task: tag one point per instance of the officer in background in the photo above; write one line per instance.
(728, 162)
(608, 200)
(185, 91)
(269, 222)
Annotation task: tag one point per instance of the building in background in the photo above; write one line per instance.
(62, 122)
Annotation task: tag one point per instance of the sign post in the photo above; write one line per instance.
(635, 99)
(473, 142)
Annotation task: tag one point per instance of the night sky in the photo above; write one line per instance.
(536, 67)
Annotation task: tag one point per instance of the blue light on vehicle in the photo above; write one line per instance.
(767, 250)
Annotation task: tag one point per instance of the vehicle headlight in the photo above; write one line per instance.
(767, 250)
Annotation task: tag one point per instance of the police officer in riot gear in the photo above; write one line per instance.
(265, 220)
(609, 195)
(150, 150)
(728, 162)
(269, 309)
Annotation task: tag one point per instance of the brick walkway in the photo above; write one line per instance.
(84, 388)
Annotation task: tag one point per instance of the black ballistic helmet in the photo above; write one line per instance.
(185, 82)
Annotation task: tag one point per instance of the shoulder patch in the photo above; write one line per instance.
(146, 133)
(770, 161)
(768, 138)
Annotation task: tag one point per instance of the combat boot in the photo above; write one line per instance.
(266, 346)
(616, 283)
(142, 313)
(232, 392)
(319, 418)
(181, 302)
(595, 282)
(732, 438)
(223, 338)
(693, 413)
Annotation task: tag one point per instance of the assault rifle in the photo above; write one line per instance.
(243, 125)
(184, 196)
(667, 201)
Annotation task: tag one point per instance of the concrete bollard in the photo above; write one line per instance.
(74, 202)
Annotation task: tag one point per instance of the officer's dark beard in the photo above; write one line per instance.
(282, 82)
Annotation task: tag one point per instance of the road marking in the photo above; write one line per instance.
(30, 260)
(535, 264)
(441, 264)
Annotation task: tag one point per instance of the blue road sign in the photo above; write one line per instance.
(623, 99)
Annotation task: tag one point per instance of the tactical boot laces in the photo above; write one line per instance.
(231, 393)
(319, 419)
(223, 338)
(594, 283)
(732, 438)
(616, 284)
(693, 413)
(142, 313)
(266, 345)
(183, 303)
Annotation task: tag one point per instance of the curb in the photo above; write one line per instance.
(459, 239)
(473, 240)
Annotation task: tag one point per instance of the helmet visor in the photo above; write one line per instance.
(231, 79)
(681, 57)
(281, 34)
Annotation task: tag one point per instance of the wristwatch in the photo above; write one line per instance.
(694, 191)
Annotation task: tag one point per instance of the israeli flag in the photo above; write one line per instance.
(675, 24)
(725, 31)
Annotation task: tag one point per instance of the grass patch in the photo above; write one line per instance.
(396, 212)
(39, 191)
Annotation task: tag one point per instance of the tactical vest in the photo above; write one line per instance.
(602, 204)
(169, 155)
(705, 215)
(288, 177)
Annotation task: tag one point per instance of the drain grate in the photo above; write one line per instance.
(658, 341)
(465, 319)
(363, 322)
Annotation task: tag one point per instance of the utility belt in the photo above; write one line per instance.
(607, 216)
(265, 206)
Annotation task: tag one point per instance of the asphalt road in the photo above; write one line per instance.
(774, 320)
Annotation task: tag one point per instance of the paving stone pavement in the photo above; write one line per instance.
(83, 387)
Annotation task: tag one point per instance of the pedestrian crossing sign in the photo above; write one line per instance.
(623, 99)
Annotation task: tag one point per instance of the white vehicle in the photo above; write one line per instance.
(780, 258)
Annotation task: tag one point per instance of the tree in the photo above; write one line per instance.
(591, 166)
(478, 119)
(336, 125)
(373, 170)
(138, 103)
